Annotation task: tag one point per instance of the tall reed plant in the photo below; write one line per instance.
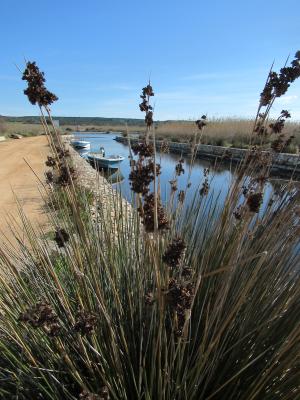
(162, 301)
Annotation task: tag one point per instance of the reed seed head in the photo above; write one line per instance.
(179, 167)
(41, 315)
(49, 177)
(142, 175)
(186, 272)
(67, 174)
(181, 196)
(103, 395)
(143, 149)
(278, 83)
(145, 106)
(51, 162)
(62, 152)
(238, 213)
(179, 297)
(61, 237)
(173, 184)
(201, 123)
(205, 188)
(147, 214)
(85, 323)
(174, 253)
(254, 201)
(36, 90)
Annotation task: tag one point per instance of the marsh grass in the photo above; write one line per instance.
(206, 309)
(228, 132)
(22, 129)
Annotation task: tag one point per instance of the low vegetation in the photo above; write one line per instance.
(167, 301)
(221, 132)
(227, 132)
(20, 128)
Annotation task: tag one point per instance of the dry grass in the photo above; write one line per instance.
(222, 132)
(20, 128)
(104, 128)
(26, 129)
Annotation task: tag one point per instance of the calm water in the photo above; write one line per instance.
(219, 180)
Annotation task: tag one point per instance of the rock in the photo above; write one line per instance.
(2, 138)
(15, 136)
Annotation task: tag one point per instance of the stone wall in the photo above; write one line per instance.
(283, 164)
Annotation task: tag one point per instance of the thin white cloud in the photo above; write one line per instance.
(285, 100)
(209, 76)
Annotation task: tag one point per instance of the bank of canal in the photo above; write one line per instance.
(220, 179)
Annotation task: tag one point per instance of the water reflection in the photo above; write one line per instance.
(220, 178)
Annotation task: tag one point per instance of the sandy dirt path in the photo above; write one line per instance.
(16, 177)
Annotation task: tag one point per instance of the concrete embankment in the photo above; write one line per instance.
(283, 164)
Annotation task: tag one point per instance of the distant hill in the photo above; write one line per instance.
(79, 120)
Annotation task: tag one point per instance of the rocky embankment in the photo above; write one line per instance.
(108, 200)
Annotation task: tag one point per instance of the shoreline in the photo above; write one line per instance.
(283, 166)
(90, 179)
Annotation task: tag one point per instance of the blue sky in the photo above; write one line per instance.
(202, 56)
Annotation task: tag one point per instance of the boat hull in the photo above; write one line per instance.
(81, 145)
(104, 163)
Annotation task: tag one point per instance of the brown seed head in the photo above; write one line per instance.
(181, 196)
(36, 90)
(179, 167)
(49, 177)
(174, 252)
(201, 123)
(143, 149)
(205, 188)
(61, 237)
(41, 315)
(103, 395)
(147, 213)
(254, 202)
(51, 162)
(85, 322)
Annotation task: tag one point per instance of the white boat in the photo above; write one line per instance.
(101, 161)
(80, 144)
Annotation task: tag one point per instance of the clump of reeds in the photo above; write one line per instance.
(109, 309)
(226, 132)
(145, 172)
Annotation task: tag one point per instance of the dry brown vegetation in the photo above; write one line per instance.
(20, 128)
(221, 132)
(228, 132)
